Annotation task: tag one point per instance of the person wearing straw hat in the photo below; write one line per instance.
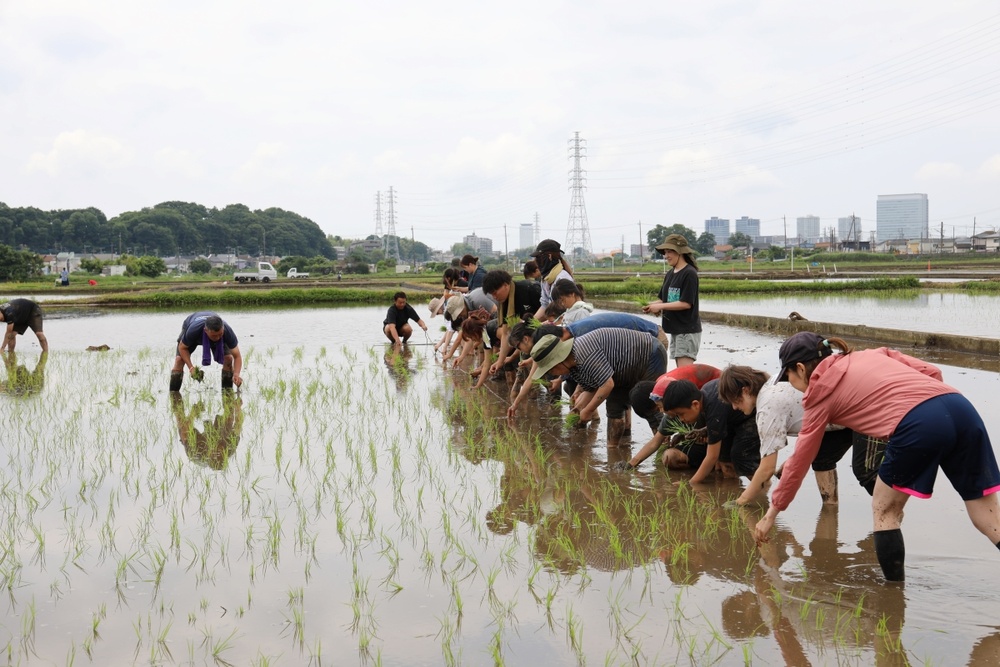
(678, 302)
(891, 395)
(606, 364)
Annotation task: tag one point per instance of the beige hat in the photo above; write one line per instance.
(549, 351)
(676, 242)
(456, 304)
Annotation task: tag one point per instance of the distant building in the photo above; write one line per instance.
(849, 229)
(638, 250)
(807, 229)
(748, 226)
(772, 240)
(719, 228)
(901, 216)
(527, 235)
(479, 244)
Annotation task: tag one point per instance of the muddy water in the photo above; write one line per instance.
(360, 506)
(916, 310)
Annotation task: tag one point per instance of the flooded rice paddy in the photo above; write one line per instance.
(916, 310)
(353, 505)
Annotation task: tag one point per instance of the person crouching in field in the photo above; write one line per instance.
(887, 394)
(777, 407)
(396, 325)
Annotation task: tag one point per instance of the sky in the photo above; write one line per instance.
(772, 109)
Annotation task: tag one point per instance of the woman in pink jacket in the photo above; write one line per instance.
(889, 395)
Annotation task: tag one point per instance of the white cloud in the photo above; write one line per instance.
(990, 169)
(506, 154)
(266, 163)
(932, 172)
(180, 162)
(80, 151)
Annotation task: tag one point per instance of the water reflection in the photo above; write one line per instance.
(216, 442)
(397, 360)
(20, 381)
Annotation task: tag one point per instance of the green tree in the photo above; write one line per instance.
(92, 266)
(705, 245)
(655, 236)
(739, 240)
(200, 266)
(19, 265)
(147, 266)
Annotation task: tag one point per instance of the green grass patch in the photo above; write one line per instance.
(250, 297)
(646, 289)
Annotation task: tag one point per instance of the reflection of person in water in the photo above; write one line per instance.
(397, 360)
(218, 439)
(19, 315)
(21, 381)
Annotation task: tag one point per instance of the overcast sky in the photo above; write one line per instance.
(725, 108)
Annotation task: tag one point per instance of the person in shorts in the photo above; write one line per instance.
(678, 302)
(218, 342)
(396, 325)
(777, 409)
(20, 315)
(892, 396)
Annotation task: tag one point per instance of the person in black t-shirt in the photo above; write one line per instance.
(515, 298)
(396, 325)
(20, 315)
(678, 302)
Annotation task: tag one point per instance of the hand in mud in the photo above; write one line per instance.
(622, 466)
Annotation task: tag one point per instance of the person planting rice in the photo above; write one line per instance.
(646, 398)
(887, 394)
(777, 407)
(19, 316)
(396, 325)
(514, 299)
(731, 442)
(217, 340)
(569, 295)
(524, 337)
(606, 364)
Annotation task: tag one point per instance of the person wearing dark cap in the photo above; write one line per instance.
(553, 267)
(678, 302)
(20, 315)
(218, 341)
(476, 273)
(890, 395)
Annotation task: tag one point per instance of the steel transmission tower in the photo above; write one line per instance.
(378, 214)
(538, 231)
(578, 230)
(390, 242)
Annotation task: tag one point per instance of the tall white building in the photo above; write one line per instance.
(527, 235)
(849, 228)
(807, 228)
(748, 226)
(719, 228)
(901, 217)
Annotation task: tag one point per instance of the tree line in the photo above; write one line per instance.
(165, 229)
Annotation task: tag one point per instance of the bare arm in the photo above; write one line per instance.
(237, 366)
(588, 411)
(708, 465)
(760, 478)
(647, 450)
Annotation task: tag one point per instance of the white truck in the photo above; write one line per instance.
(265, 273)
(294, 273)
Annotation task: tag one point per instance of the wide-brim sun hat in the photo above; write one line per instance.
(549, 351)
(676, 242)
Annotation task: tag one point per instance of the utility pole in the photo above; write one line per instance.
(642, 253)
(784, 223)
(506, 251)
(941, 249)
(413, 249)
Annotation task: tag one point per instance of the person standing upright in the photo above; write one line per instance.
(678, 302)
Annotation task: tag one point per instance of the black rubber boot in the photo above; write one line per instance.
(227, 379)
(176, 378)
(891, 553)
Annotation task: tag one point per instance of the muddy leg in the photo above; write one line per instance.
(176, 379)
(887, 514)
(826, 480)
